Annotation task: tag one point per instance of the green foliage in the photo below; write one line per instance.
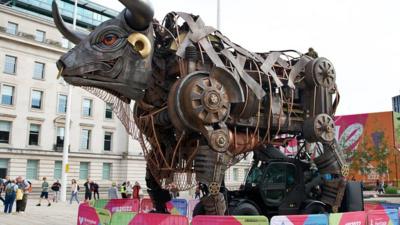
(380, 156)
(361, 159)
(390, 190)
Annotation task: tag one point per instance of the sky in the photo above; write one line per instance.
(360, 37)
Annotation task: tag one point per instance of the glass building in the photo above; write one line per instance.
(89, 14)
(396, 103)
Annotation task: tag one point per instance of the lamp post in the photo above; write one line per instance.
(65, 164)
(218, 14)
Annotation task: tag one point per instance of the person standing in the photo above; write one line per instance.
(95, 190)
(10, 190)
(25, 186)
(74, 191)
(45, 192)
(2, 188)
(122, 190)
(113, 191)
(88, 190)
(197, 191)
(136, 191)
(128, 189)
(56, 190)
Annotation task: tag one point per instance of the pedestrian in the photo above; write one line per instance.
(197, 191)
(25, 186)
(113, 191)
(122, 190)
(95, 190)
(10, 190)
(174, 191)
(377, 185)
(129, 189)
(88, 190)
(204, 189)
(74, 191)
(136, 191)
(2, 187)
(45, 192)
(381, 188)
(56, 190)
(312, 53)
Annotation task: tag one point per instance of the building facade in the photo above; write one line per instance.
(33, 104)
(396, 103)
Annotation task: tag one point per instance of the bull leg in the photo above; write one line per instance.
(158, 195)
(210, 168)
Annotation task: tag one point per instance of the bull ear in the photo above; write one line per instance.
(138, 14)
(73, 36)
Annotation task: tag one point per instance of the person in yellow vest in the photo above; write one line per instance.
(122, 190)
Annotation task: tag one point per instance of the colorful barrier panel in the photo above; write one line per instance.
(87, 215)
(158, 219)
(230, 220)
(191, 204)
(350, 218)
(104, 216)
(317, 219)
(122, 218)
(378, 206)
(123, 205)
(146, 205)
(100, 203)
(383, 217)
(177, 207)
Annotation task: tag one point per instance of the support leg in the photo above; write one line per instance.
(158, 195)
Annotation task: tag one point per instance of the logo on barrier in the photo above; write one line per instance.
(86, 221)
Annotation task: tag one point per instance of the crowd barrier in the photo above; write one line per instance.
(128, 212)
(230, 220)
(191, 204)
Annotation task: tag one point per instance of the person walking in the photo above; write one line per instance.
(10, 190)
(129, 189)
(197, 191)
(122, 190)
(88, 190)
(25, 187)
(136, 191)
(74, 191)
(56, 190)
(113, 191)
(45, 192)
(95, 190)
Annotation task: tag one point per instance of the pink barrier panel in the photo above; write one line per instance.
(191, 204)
(87, 215)
(383, 217)
(158, 219)
(215, 220)
(146, 205)
(316, 219)
(123, 205)
(350, 218)
(372, 206)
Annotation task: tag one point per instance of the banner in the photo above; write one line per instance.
(158, 219)
(317, 219)
(177, 207)
(122, 218)
(87, 215)
(146, 205)
(383, 217)
(123, 205)
(350, 218)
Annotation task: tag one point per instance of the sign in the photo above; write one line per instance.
(383, 217)
(158, 219)
(230, 220)
(177, 207)
(67, 168)
(123, 205)
(350, 218)
(87, 215)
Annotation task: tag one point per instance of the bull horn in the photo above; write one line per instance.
(73, 36)
(139, 13)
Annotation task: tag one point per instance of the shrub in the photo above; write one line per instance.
(390, 190)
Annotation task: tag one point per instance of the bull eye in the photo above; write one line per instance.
(109, 39)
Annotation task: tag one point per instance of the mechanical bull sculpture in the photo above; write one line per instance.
(202, 102)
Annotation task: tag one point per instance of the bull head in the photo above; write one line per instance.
(116, 56)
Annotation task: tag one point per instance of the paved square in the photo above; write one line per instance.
(57, 214)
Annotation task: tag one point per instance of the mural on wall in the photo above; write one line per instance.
(367, 141)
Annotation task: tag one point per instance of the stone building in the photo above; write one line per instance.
(33, 104)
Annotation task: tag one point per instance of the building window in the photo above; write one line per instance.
(10, 65)
(246, 172)
(109, 112)
(106, 171)
(7, 95)
(37, 99)
(235, 174)
(32, 169)
(34, 132)
(38, 72)
(87, 105)
(64, 42)
(84, 170)
(85, 139)
(57, 169)
(60, 137)
(107, 141)
(62, 104)
(40, 36)
(12, 28)
(5, 131)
